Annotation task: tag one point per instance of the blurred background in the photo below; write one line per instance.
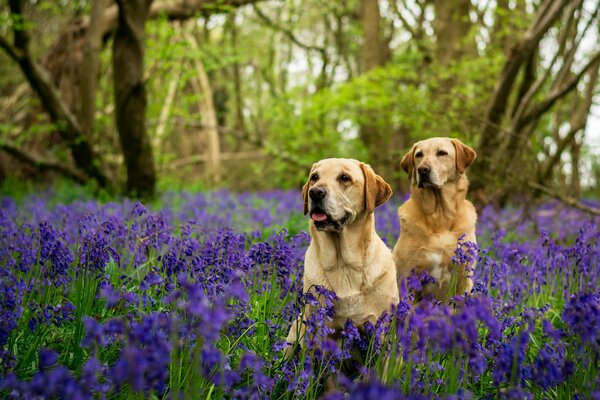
(137, 96)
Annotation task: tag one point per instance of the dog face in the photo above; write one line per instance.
(339, 189)
(433, 162)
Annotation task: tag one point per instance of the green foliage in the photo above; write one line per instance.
(274, 96)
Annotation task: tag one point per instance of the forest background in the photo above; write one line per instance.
(136, 96)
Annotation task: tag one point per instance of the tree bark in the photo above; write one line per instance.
(89, 67)
(575, 173)
(372, 129)
(209, 117)
(452, 26)
(238, 99)
(130, 96)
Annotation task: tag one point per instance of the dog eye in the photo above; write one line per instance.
(419, 154)
(442, 153)
(344, 178)
(314, 177)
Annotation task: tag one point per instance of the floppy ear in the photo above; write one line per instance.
(408, 161)
(305, 197)
(377, 191)
(464, 155)
(305, 191)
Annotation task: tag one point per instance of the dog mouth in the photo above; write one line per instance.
(324, 222)
(425, 182)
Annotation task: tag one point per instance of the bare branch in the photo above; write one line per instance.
(14, 53)
(288, 33)
(400, 16)
(41, 163)
(565, 199)
(230, 156)
(554, 95)
(578, 121)
(549, 12)
(525, 100)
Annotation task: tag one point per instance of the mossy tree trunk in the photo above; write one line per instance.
(130, 96)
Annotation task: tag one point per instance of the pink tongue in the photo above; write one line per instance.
(318, 217)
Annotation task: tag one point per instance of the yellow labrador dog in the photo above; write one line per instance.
(346, 255)
(436, 215)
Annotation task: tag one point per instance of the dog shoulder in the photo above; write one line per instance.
(467, 218)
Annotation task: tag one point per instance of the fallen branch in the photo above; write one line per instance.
(565, 199)
(236, 156)
(42, 163)
(202, 158)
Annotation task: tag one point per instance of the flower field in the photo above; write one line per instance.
(194, 297)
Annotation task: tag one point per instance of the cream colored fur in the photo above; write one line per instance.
(350, 260)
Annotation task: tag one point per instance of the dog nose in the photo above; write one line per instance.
(317, 193)
(424, 169)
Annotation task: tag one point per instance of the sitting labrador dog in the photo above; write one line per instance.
(436, 215)
(345, 254)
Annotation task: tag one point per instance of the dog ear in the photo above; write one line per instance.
(464, 155)
(377, 191)
(305, 197)
(408, 161)
(305, 190)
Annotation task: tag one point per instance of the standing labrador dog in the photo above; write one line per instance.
(346, 255)
(436, 215)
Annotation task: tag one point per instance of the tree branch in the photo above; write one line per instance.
(41, 82)
(41, 163)
(554, 95)
(14, 53)
(577, 122)
(524, 100)
(549, 12)
(288, 33)
(565, 199)
(177, 10)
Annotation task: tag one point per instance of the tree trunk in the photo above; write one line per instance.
(89, 67)
(373, 133)
(239, 121)
(130, 96)
(209, 117)
(491, 132)
(452, 26)
(575, 173)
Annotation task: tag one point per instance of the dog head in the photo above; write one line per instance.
(433, 162)
(339, 189)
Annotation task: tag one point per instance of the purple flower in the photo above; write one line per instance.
(510, 361)
(48, 358)
(582, 316)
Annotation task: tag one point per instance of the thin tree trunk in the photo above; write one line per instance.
(209, 117)
(89, 67)
(165, 113)
(373, 133)
(130, 96)
(575, 174)
(452, 26)
(239, 123)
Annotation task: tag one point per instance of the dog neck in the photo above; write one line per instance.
(339, 249)
(439, 206)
